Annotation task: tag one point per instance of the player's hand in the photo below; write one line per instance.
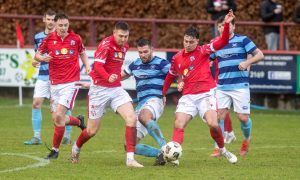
(243, 66)
(87, 70)
(46, 58)
(35, 64)
(112, 78)
(229, 17)
(164, 100)
(180, 86)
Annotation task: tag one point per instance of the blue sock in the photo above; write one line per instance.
(146, 150)
(68, 129)
(246, 128)
(221, 124)
(36, 122)
(154, 131)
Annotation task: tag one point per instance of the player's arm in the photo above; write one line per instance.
(167, 83)
(100, 59)
(221, 42)
(257, 55)
(42, 50)
(124, 75)
(85, 62)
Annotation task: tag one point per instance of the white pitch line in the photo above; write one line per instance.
(41, 162)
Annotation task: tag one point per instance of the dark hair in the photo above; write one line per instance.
(60, 16)
(221, 19)
(192, 31)
(50, 12)
(122, 25)
(143, 42)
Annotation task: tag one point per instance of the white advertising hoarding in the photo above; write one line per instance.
(16, 69)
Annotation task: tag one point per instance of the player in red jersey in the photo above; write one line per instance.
(106, 90)
(192, 65)
(63, 47)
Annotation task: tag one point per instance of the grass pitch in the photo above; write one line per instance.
(273, 152)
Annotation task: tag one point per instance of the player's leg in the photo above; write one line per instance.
(241, 105)
(93, 125)
(208, 113)
(126, 111)
(41, 91)
(68, 130)
(228, 131)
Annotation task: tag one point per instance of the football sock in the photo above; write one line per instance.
(246, 128)
(217, 136)
(221, 124)
(130, 138)
(68, 129)
(227, 123)
(83, 138)
(58, 135)
(130, 156)
(146, 150)
(74, 121)
(178, 135)
(154, 131)
(36, 122)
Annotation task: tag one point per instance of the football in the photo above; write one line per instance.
(172, 151)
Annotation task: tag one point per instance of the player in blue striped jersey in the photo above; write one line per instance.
(233, 79)
(42, 86)
(149, 72)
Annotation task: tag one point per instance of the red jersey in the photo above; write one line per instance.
(194, 68)
(108, 59)
(64, 65)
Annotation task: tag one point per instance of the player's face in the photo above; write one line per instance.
(145, 53)
(221, 28)
(190, 43)
(62, 26)
(121, 37)
(49, 22)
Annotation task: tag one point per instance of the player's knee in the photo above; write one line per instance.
(243, 117)
(92, 131)
(213, 124)
(131, 119)
(36, 105)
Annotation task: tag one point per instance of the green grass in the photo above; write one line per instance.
(273, 151)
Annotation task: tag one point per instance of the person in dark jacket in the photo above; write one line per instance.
(218, 8)
(296, 15)
(271, 11)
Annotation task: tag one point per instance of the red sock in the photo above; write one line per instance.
(217, 136)
(178, 135)
(58, 135)
(83, 138)
(130, 138)
(74, 121)
(227, 123)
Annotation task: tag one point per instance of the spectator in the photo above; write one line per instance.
(296, 15)
(272, 11)
(218, 8)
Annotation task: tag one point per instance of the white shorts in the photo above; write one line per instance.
(100, 97)
(42, 89)
(64, 94)
(197, 103)
(240, 99)
(156, 106)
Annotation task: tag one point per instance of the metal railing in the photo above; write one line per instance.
(153, 22)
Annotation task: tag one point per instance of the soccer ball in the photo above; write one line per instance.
(172, 151)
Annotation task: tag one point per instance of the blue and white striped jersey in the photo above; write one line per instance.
(44, 67)
(149, 78)
(229, 58)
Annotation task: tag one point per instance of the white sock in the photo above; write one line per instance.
(130, 156)
(37, 134)
(55, 149)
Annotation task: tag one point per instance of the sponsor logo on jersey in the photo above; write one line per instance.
(234, 44)
(192, 58)
(71, 51)
(56, 52)
(152, 67)
(191, 67)
(63, 51)
(72, 42)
